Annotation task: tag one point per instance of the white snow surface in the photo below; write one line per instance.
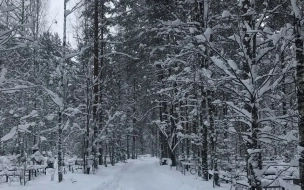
(140, 174)
(226, 14)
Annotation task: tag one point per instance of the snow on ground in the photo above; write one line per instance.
(140, 174)
(147, 174)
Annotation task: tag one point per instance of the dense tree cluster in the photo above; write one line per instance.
(216, 81)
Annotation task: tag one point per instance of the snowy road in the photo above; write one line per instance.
(147, 174)
(140, 174)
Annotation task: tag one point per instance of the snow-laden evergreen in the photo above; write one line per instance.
(208, 87)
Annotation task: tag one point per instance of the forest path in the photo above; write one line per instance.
(140, 174)
(147, 174)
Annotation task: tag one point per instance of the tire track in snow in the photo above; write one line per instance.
(112, 184)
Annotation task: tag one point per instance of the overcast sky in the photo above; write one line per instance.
(55, 12)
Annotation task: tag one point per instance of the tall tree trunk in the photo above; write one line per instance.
(87, 122)
(133, 145)
(128, 145)
(87, 134)
(188, 130)
(60, 174)
(96, 82)
(112, 151)
(61, 92)
(204, 152)
(105, 155)
(134, 121)
(173, 135)
(254, 161)
(102, 47)
(300, 92)
(213, 137)
(201, 16)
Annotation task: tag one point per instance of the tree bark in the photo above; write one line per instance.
(96, 83)
(60, 175)
(61, 92)
(253, 159)
(300, 94)
(134, 121)
(128, 146)
(102, 44)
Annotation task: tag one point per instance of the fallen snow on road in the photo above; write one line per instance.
(141, 174)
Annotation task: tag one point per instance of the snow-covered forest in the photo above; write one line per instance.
(156, 94)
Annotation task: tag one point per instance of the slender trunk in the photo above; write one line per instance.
(162, 140)
(173, 158)
(60, 174)
(204, 152)
(105, 155)
(128, 146)
(201, 15)
(173, 136)
(284, 103)
(61, 92)
(161, 135)
(101, 154)
(142, 144)
(165, 139)
(102, 47)
(87, 135)
(102, 44)
(96, 81)
(133, 145)
(300, 94)
(204, 132)
(254, 159)
(187, 129)
(113, 151)
(87, 122)
(213, 136)
(134, 121)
